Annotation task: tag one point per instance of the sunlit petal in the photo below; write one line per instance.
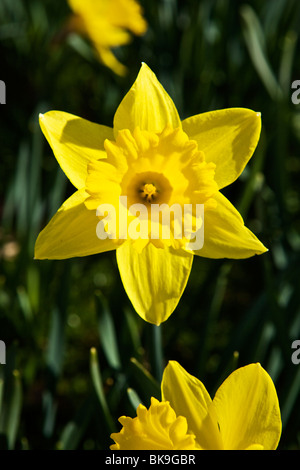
(71, 232)
(228, 138)
(189, 398)
(248, 411)
(75, 142)
(147, 105)
(225, 235)
(153, 279)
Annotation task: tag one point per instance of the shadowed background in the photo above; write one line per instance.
(77, 355)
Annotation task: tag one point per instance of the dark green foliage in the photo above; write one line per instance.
(54, 391)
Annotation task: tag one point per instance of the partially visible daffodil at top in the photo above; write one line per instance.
(244, 414)
(108, 24)
(150, 156)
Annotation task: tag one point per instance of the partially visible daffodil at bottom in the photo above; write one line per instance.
(244, 414)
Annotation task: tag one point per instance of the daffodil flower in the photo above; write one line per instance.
(151, 159)
(244, 414)
(108, 24)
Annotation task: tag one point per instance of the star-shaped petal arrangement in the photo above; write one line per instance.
(151, 159)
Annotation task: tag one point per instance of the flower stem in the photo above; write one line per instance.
(157, 352)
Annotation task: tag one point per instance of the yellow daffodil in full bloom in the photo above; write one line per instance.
(150, 159)
(108, 24)
(244, 414)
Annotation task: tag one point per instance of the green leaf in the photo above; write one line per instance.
(254, 38)
(75, 429)
(11, 410)
(107, 332)
(134, 399)
(146, 381)
(97, 382)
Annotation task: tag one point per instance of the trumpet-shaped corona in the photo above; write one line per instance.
(154, 429)
(157, 171)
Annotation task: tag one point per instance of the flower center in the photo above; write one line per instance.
(155, 183)
(148, 188)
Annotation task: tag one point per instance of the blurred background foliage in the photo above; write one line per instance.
(77, 355)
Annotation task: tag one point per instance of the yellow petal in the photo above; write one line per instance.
(153, 279)
(248, 411)
(121, 15)
(255, 447)
(225, 235)
(129, 14)
(108, 24)
(110, 60)
(147, 106)
(189, 397)
(75, 142)
(102, 176)
(157, 428)
(71, 232)
(228, 138)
